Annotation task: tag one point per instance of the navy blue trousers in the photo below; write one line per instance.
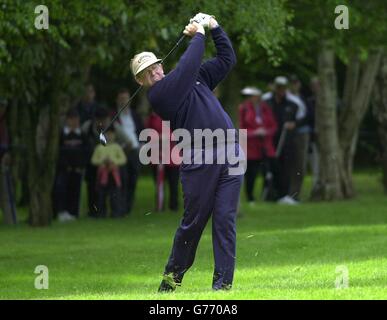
(208, 190)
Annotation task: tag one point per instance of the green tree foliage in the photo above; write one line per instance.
(314, 21)
(42, 71)
(359, 48)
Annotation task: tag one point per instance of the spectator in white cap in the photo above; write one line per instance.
(257, 118)
(285, 112)
(281, 81)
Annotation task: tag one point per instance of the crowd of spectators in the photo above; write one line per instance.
(281, 143)
(281, 139)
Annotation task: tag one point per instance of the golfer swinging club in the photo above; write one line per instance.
(185, 98)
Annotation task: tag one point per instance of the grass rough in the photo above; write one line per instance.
(283, 252)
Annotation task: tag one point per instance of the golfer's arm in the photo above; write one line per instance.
(215, 70)
(179, 82)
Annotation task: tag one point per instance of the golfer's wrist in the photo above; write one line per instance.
(213, 24)
(201, 30)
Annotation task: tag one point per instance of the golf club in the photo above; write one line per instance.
(281, 142)
(102, 138)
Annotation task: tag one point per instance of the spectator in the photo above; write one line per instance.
(256, 116)
(70, 168)
(7, 194)
(88, 105)
(171, 169)
(91, 129)
(303, 131)
(108, 159)
(285, 112)
(128, 127)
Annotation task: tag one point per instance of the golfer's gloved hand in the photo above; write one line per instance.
(204, 20)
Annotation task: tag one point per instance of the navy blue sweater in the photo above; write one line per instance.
(184, 96)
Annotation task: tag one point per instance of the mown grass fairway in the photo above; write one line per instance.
(282, 253)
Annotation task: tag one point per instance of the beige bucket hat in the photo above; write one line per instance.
(141, 61)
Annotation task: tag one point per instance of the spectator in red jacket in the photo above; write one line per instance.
(169, 170)
(256, 116)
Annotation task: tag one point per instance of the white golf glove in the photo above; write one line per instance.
(203, 19)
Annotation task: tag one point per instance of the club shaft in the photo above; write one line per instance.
(140, 87)
(174, 48)
(119, 112)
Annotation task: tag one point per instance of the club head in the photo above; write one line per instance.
(102, 139)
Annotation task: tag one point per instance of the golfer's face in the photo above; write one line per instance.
(152, 74)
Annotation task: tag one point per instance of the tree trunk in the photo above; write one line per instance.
(326, 126)
(357, 93)
(40, 204)
(43, 140)
(337, 143)
(41, 169)
(348, 154)
(380, 114)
